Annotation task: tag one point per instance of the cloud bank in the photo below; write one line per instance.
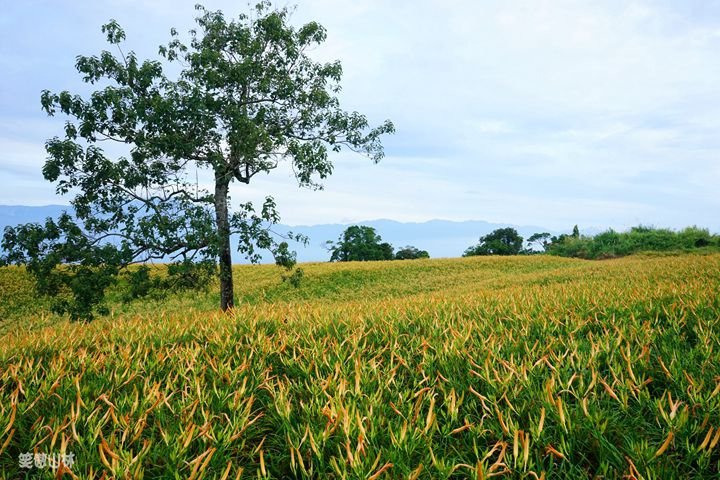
(542, 112)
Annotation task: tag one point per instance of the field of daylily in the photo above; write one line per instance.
(520, 367)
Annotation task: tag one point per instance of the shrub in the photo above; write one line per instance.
(611, 244)
(503, 241)
(411, 253)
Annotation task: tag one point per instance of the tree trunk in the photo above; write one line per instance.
(227, 300)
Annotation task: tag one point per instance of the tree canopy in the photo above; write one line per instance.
(539, 240)
(411, 253)
(247, 97)
(360, 243)
(503, 241)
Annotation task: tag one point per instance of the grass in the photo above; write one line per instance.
(524, 367)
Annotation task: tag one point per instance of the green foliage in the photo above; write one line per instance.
(284, 257)
(140, 283)
(295, 278)
(288, 260)
(612, 244)
(411, 253)
(539, 241)
(66, 264)
(360, 243)
(246, 97)
(503, 241)
(143, 281)
(189, 275)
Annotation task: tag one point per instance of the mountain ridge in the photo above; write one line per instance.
(441, 238)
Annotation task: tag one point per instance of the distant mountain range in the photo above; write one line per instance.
(441, 238)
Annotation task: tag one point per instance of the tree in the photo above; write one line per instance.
(247, 97)
(360, 243)
(576, 232)
(540, 240)
(411, 253)
(503, 241)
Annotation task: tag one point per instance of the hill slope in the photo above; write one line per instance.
(424, 369)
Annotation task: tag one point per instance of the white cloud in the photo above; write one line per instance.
(562, 111)
(488, 127)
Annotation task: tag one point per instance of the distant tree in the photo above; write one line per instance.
(576, 232)
(245, 97)
(503, 241)
(360, 243)
(539, 240)
(558, 239)
(411, 253)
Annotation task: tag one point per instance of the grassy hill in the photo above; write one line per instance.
(462, 368)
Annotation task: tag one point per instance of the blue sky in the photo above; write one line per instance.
(550, 113)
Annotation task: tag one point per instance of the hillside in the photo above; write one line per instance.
(521, 366)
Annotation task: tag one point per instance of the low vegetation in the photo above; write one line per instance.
(608, 244)
(612, 244)
(525, 367)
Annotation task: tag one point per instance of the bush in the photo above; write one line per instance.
(140, 283)
(411, 253)
(295, 278)
(359, 243)
(611, 244)
(503, 241)
(181, 276)
(189, 275)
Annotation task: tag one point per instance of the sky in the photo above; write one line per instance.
(551, 113)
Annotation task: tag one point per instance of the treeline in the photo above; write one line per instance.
(359, 243)
(608, 244)
(362, 243)
(612, 244)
